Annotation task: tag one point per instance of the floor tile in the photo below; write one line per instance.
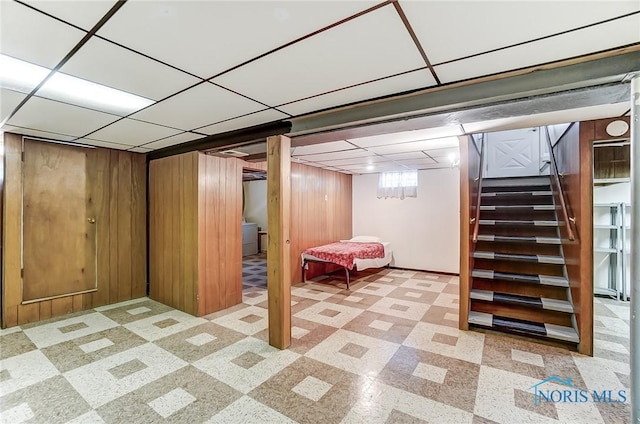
(163, 325)
(370, 363)
(50, 334)
(197, 342)
(400, 308)
(247, 321)
(15, 343)
(330, 314)
(249, 411)
(468, 347)
(25, 370)
(170, 403)
(45, 401)
(221, 366)
(98, 385)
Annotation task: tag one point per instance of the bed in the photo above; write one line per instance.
(359, 252)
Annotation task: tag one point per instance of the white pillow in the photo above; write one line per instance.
(365, 239)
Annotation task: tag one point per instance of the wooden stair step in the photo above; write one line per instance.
(528, 301)
(543, 259)
(517, 181)
(519, 208)
(529, 328)
(545, 280)
(519, 222)
(519, 239)
(516, 193)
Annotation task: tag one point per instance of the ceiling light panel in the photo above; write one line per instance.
(111, 65)
(140, 150)
(213, 26)
(322, 148)
(324, 157)
(415, 146)
(84, 14)
(202, 105)
(37, 133)
(133, 133)
(393, 85)
(354, 52)
(8, 101)
(407, 136)
(503, 22)
(415, 162)
(34, 37)
(172, 141)
(257, 118)
(613, 34)
(48, 115)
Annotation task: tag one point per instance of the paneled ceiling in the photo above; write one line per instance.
(214, 66)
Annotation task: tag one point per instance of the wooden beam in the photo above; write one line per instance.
(278, 249)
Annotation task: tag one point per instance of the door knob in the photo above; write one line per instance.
(91, 220)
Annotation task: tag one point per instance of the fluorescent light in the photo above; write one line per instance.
(18, 75)
(22, 76)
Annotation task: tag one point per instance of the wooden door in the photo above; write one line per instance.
(59, 228)
(513, 153)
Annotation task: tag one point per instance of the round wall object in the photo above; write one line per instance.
(617, 128)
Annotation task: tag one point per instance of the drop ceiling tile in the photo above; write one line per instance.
(257, 118)
(356, 161)
(548, 118)
(414, 162)
(354, 52)
(133, 133)
(502, 22)
(415, 146)
(213, 26)
(23, 30)
(323, 157)
(407, 136)
(613, 34)
(36, 133)
(48, 115)
(408, 155)
(197, 107)
(9, 99)
(107, 64)
(172, 141)
(411, 81)
(322, 148)
(443, 152)
(100, 143)
(84, 14)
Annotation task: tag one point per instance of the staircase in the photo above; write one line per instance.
(519, 282)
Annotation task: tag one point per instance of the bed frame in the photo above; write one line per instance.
(304, 268)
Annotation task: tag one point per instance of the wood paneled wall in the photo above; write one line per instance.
(314, 220)
(575, 161)
(321, 211)
(120, 200)
(195, 233)
(469, 171)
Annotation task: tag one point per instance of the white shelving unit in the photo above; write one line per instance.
(611, 249)
(606, 245)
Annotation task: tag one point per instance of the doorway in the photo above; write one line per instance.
(254, 231)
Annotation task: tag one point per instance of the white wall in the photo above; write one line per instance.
(612, 193)
(255, 198)
(424, 231)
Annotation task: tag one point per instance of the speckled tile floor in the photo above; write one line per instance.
(387, 351)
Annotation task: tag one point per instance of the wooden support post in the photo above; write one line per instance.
(278, 243)
(465, 232)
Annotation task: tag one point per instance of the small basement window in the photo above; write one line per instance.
(398, 184)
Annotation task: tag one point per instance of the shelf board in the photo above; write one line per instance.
(606, 227)
(603, 181)
(605, 292)
(605, 250)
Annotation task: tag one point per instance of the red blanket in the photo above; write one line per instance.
(345, 253)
